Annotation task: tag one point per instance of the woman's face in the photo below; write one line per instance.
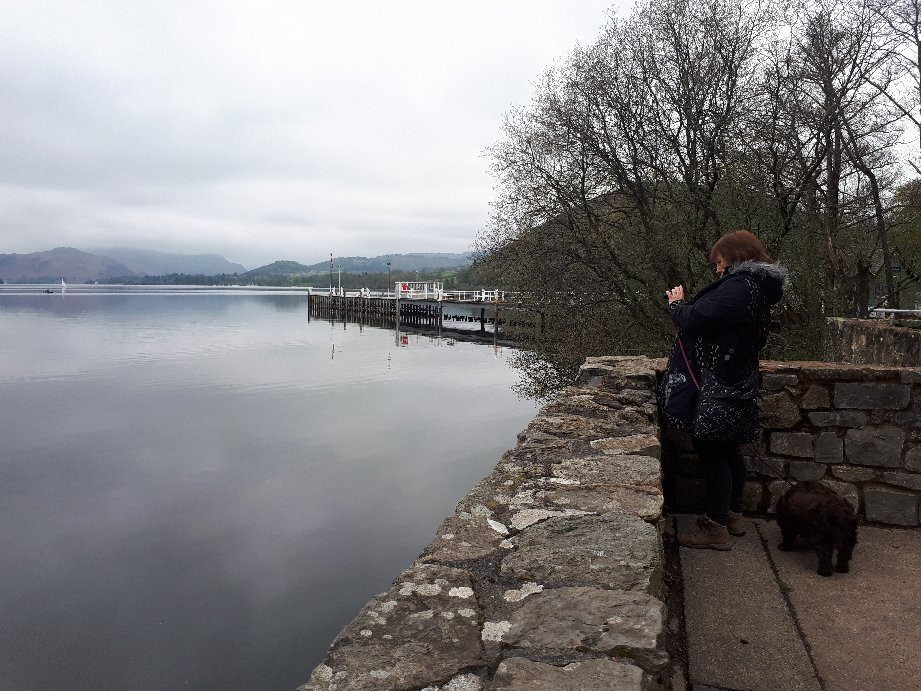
(721, 265)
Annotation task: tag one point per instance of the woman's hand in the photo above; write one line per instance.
(675, 294)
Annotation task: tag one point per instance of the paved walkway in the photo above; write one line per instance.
(759, 618)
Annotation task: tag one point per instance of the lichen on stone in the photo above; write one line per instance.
(494, 630)
(498, 527)
(522, 592)
(528, 517)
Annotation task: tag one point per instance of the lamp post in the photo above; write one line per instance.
(330, 273)
(339, 268)
(389, 283)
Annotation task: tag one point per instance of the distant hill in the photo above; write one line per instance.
(281, 268)
(152, 263)
(68, 263)
(420, 261)
(76, 266)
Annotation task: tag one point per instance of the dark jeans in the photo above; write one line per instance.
(724, 477)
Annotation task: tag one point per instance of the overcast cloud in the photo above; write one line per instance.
(264, 130)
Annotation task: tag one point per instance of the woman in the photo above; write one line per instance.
(724, 328)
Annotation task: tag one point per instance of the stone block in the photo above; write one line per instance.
(792, 444)
(752, 496)
(875, 446)
(829, 448)
(913, 459)
(907, 480)
(838, 418)
(618, 372)
(879, 417)
(594, 403)
(520, 674)
(609, 551)
(526, 517)
(910, 417)
(850, 473)
(558, 622)
(846, 490)
(617, 424)
(634, 445)
(872, 395)
(911, 375)
(624, 470)
(645, 504)
(891, 506)
(773, 381)
(459, 539)
(816, 397)
(491, 493)
(431, 619)
(768, 466)
(806, 470)
(824, 371)
(778, 411)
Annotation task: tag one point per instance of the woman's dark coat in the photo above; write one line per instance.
(725, 328)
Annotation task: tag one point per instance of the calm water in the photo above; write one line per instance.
(199, 490)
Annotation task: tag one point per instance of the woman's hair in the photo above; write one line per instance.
(739, 246)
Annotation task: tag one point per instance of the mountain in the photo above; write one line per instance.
(68, 263)
(151, 263)
(281, 268)
(420, 261)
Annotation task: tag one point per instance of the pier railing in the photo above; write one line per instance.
(413, 290)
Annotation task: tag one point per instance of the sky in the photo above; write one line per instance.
(265, 130)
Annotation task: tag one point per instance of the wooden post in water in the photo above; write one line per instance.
(496, 318)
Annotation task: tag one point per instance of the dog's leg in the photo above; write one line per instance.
(846, 542)
(824, 549)
(788, 532)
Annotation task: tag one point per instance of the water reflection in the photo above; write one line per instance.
(198, 491)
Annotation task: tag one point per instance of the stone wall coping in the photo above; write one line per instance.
(842, 369)
(836, 370)
(894, 343)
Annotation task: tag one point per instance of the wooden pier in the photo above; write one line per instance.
(353, 308)
(417, 305)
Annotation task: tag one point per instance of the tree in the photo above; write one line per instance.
(677, 125)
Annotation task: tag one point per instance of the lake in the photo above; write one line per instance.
(199, 488)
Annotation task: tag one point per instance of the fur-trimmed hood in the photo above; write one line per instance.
(774, 278)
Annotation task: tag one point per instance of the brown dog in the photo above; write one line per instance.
(825, 519)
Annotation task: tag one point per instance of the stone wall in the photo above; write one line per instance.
(549, 573)
(857, 428)
(873, 341)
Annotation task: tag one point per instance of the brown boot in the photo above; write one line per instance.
(709, 535)
(736, 524)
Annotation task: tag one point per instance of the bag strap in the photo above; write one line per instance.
(686, 361)
(752, 451)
